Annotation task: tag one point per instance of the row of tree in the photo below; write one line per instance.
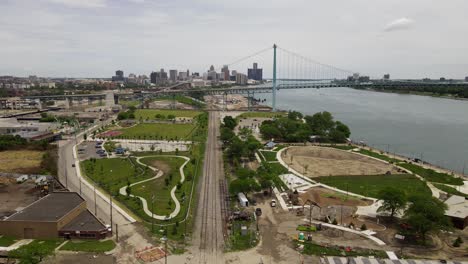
(461, 92)
(298, 128)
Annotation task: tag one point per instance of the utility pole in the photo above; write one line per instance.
(66, 177)
(110, 202)
(117, 233)
(80, 186)
(95, 204)
(152, 213)
(273, 100)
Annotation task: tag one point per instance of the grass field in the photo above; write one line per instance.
(377, 155)
(370, 185)
(96, 246)
(20, 161)
(269, 155)
(163, 204)
(449, 190)
(46, 247)
(261, 114)
(6, 241)
(159, 131)
(314, 249)
(129, 103)
(432, 175)
(112, 174)
(151, 113)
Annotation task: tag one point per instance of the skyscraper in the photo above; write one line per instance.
(225, 71)
(173, 75)
(119, 76)
(255, 73)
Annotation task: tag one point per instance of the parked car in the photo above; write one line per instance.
(273, 203)
(258, 211)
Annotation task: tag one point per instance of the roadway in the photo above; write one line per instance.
(208, 240)
(128, 231)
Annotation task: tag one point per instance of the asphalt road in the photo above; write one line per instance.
(208, 235)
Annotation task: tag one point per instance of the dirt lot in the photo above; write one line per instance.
(325, 197)
(14, 196)
(20, 161)
(333, 162)
(80, 258)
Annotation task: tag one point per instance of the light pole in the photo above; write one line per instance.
(110, 202)
(95, 204)
(311, 204)
(164, 239)
(152, 213)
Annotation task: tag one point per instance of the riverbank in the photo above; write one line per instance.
(409, 92)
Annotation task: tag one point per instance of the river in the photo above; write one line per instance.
(434, 129)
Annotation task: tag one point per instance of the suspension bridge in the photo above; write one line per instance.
(288, 70)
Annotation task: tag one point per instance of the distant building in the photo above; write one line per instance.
(442, 79)
(255, 73)
(364, 78)
(241, 79)
(158, 77)
(183, 76)
(386, 77)
(173, 75)
(225, 71)
(119, 76)
(466, 79)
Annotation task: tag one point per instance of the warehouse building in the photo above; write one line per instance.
(59, 214)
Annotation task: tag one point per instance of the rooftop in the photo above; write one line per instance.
(50, 208)
(457, 206)
(84, 222)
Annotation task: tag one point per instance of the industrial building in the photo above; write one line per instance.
(59, 214)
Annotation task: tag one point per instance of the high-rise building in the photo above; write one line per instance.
(466, 79)
(158, 77)
(173, 75)
(119, 76)
(225, 71)
(255, 73)
(183, 76)
(386, 77)
(241, 79)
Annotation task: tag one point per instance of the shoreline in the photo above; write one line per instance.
(414, 93)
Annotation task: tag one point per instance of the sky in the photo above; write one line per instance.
(93, 38)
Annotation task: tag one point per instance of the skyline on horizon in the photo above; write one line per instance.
(93, 38)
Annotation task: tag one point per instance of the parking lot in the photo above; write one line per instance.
(87, 150)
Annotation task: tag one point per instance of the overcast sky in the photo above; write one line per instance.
(93, 38)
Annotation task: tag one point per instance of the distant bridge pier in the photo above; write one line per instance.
(116, 99)
(68, 102)
(273, 97)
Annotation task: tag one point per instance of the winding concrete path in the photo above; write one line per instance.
(123, 190)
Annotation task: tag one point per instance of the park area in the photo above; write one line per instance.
(319, 161)
(159, 131)
(164, 113)
(21, 161)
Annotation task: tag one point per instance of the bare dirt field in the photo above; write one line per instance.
(325, 197)
(20, 161)
(321, 161)
(14, 196)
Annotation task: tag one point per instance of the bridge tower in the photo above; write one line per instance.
(273, 99)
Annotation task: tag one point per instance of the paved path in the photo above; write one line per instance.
(123, 190)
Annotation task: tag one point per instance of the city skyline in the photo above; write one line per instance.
(92, 38)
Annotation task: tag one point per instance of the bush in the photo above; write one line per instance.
(457, 242)
(334, 221)
(363, 227)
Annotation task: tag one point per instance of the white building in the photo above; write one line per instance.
(241, 79)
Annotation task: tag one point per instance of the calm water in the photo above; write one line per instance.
(435, 129)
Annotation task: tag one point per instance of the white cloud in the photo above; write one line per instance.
(81, 3)
(399, 24)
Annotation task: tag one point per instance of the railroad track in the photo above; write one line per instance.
(211, 229)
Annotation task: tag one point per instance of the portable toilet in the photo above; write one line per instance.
(243, 201)
(243, 230)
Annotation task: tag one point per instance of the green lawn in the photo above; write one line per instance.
(269, 155)
(432, 175)
(163, 204)
(278, 169)
(449, 190)
(371, 185)
(151, 113)
(112, 174)
(129, 103)
(35, 251)
(96, 246)
(377, 155)
(181, 99)
(314, 249)
(261, 115)
(159, 131)
(6, 241)
(342, 147)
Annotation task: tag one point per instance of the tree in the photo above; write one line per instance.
(226, 134)
(426, 214)
(229, 122)
(393, 200)
(85, 136)
(294, 115)
(171, 117)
